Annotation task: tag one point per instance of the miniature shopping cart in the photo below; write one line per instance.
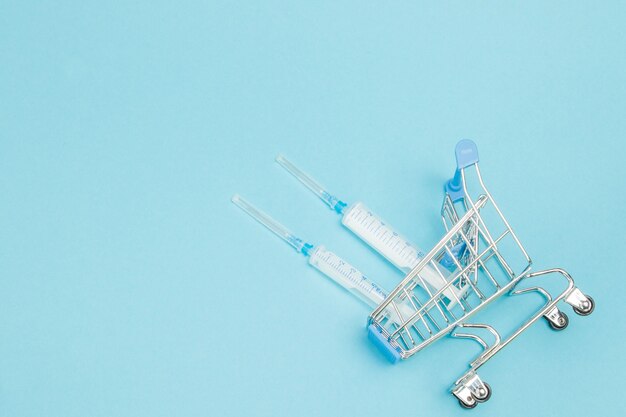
(483, 259)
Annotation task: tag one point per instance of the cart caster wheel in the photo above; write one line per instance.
(468, 406)
(563, 322)
(487, 395)
(588, 310)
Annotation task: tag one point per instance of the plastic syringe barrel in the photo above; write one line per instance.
(374, 232)
(325, 261)
(354, 281)
(395, 248)
(346, 275)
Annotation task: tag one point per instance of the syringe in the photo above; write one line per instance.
(378, 234)
(328, 263)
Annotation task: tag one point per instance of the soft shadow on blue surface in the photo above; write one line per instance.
(132, 286)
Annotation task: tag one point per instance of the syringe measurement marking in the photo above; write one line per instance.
(399, 246)
(360, 281)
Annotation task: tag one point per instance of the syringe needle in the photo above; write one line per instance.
(330, 200)
(277, 228)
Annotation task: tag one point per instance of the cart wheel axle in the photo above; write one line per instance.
(588, 310)
(563, 322)
(487, 394)
(468, 406)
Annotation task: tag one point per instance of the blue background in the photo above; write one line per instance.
(130, 285)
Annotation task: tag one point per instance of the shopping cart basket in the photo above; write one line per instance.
(484, 257)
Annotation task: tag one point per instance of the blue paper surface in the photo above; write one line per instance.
(130, 285)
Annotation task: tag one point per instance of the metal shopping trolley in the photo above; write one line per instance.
(483, 259)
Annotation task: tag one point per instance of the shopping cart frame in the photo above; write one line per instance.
(461, 214)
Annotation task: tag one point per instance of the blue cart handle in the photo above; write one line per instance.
(466, 155)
